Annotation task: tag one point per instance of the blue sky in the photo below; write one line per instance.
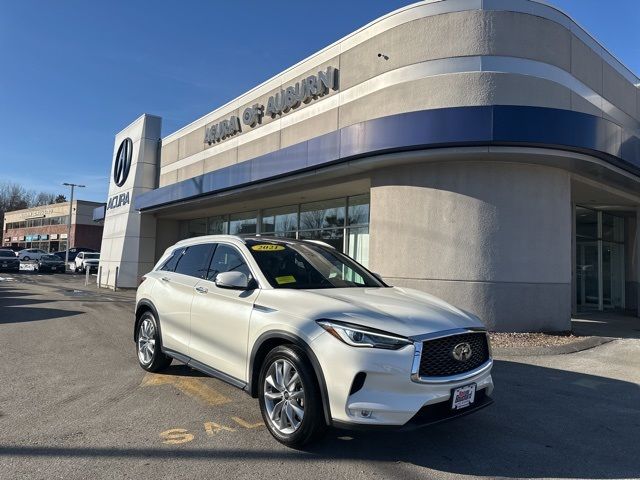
(73, 73)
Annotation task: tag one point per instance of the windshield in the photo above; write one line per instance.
(307, 265)
(91, 255)
(7, 253)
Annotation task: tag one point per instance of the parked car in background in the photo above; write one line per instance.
(73, 252)
(316, 337)
(15, 250)
(30, 254)
(9, 261)
(50, 263)
(87, 260)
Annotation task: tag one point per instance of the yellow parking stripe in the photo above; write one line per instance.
(190, 386)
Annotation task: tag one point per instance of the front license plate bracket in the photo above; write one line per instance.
(463, 397)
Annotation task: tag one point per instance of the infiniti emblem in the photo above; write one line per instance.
(461, 352)
(123, 162)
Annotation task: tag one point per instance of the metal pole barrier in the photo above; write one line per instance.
(99, 276)
(115, 281)
(86, 276)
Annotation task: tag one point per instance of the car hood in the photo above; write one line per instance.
(402, 311)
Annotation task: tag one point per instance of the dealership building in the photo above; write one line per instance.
(46, 227)
(484, 151)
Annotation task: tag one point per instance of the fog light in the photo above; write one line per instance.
(365, 413)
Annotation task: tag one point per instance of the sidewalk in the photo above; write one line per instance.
(588, 330)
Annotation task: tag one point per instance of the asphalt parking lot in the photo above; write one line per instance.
(75, 404)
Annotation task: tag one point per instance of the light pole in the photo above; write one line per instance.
(66, 255)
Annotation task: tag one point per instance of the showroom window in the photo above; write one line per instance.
(342, 223)
(243, 223)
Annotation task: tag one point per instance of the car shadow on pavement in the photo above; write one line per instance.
(15, 307)
(545, 423)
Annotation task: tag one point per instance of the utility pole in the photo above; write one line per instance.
(66, 255)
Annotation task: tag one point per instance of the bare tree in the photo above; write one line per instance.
(44, 198)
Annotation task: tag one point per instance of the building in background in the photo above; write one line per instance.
(45, 227)
(485, 152)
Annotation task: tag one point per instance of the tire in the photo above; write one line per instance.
(150, 357)
(26, 259)
(301, 396)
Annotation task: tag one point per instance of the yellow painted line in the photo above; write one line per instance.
(245, 424)
(190, 386)
(212, 428)
(176, 436)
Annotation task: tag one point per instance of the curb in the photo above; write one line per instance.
(573, 347)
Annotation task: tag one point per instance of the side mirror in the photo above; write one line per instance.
(233, 280)
(378, 276)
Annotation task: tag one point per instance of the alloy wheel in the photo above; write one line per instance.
(146, 341)
(284, 397)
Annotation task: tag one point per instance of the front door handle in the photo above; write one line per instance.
(164, 279)
(201, 289)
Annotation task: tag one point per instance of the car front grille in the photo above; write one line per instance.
(438, 360)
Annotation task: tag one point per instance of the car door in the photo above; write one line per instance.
(220, 316)
(173, 293)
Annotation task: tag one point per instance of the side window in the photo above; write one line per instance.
(170, 264)
(194, 260)
(227, 259)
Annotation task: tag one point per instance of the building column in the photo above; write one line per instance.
(491, 238)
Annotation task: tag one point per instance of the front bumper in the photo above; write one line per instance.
(388, 396)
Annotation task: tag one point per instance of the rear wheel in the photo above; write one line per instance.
(289, 397)
(148, 345)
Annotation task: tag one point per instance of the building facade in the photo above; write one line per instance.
(487, 152)
(46, 227)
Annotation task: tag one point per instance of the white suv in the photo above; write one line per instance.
(86, 261)
(316, 337)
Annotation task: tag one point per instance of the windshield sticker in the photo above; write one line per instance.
(285, 279)
(265, 247)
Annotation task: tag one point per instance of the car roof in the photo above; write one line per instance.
(243, 240)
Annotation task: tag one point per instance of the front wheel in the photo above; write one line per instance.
(149, 347)
(289, 397)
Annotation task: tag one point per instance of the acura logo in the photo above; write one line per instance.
(462, 352)
(123, 162)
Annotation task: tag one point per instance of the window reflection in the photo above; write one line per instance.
(342, 223)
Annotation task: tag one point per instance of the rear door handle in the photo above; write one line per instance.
(164, 279)
(201, 289)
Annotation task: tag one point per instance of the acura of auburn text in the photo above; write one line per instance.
(316, 337)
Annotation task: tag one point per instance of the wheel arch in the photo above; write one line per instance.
(270, 340)
(143, 306)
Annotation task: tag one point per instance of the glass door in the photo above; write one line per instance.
(587, 275)
(600, 279)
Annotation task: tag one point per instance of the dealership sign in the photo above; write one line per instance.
(121, 168)
(281, 102)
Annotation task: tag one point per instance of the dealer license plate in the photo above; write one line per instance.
(5, 264)
(53, 269)
(463, 397)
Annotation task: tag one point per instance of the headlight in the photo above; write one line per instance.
(358, 336)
